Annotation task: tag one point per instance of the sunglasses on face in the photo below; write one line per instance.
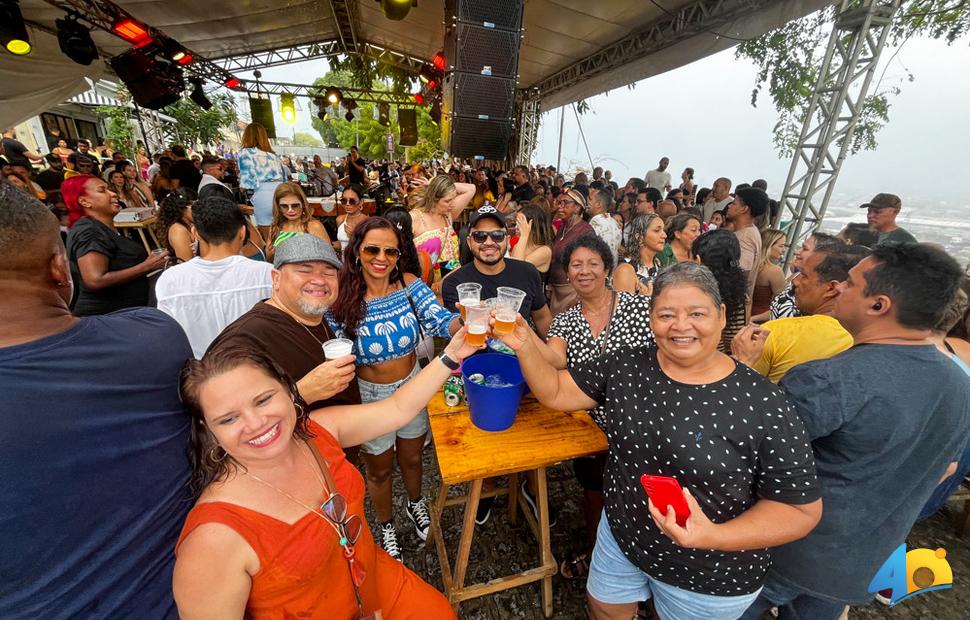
(372, 251)
(291, 207)
(497, 236)
(349, 201)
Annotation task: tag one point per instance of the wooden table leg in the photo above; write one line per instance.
(467, 531)
(144, 239)
(151, 233)
(545, 543)
(438, 508)
(513, 498)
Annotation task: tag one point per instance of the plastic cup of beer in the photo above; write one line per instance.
(477, 324)
(469, 294)
(337, 347)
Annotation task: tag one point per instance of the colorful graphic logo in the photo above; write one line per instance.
(909, 574)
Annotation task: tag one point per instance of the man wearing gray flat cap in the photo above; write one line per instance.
(290, 327)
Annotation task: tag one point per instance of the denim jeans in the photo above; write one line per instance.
(792, 604)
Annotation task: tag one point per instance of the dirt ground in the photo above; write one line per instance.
(500, 548)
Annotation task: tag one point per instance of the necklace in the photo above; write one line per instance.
(298, 322)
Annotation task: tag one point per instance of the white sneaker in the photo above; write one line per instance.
(389, 541)
(418, 513)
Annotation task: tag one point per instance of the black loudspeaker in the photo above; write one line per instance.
(408, 120)
(153, 84)
(261, 110)
(482, 51)
(501, 14)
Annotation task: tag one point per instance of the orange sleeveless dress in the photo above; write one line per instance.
(303, 573)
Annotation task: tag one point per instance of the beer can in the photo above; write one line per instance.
(454, 390)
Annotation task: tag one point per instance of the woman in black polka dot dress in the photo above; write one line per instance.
(727, 435)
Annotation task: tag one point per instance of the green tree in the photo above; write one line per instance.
(789, 59)
(118, 122)
(301, 138)
(200, 128)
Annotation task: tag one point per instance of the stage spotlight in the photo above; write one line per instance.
(439, 61)
(334, 95)
(198, 94)
(288, 108)
(349, 115)
(232, 83)
(132, 31)
(75, 40)
(397, 9)
(13, 30)
(418, 98)
(349, 104)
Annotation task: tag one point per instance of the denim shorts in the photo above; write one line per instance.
(614, 579)
(417, 427)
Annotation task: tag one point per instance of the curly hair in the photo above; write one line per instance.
(592, 243)
(720, 251)
(224, 356)
(170, 212)
(350, 308)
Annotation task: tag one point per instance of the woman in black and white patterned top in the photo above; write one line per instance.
(727, 435)
(602, 322)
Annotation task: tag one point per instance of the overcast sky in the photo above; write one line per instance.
(924, 150)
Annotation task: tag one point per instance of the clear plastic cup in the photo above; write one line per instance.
(477, 324)
(337, 347)
(469, 294)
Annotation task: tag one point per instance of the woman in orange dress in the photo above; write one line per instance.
(279, 530)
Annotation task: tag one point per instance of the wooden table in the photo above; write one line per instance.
(141, 227)
(539, 438)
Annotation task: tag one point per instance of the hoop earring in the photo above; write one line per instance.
(299, 408)
(357, 263)
(212, 456)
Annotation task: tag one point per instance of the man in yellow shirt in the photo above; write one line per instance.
(777, 346)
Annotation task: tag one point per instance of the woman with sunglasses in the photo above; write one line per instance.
(387, 313)
(278, 529)
(292, 216)
(637, 271)
(570, 206)
(351, 201)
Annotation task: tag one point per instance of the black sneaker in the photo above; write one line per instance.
(534, 505)
(484, 510)
(418, 513)
(389, 544)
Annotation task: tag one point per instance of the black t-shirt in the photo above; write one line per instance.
(523, 193)
(90, 235)
(517, 274)
(355, 175)
(187, 174)
(14, 151)
(730, 443)
(50, 179)
(95, 166)
(298, 349)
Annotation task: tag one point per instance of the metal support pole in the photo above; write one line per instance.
(562, 118)
(583, 136)
(858, 38)
(141, 126)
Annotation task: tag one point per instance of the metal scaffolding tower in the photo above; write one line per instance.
(527, 130)
(858, 37)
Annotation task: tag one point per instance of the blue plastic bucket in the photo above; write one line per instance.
(493, 408)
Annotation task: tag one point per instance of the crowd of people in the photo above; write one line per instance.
(192, 449)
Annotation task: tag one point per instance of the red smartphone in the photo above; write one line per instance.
(665, 491)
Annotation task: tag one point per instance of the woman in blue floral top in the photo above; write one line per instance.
(260, 170)
(386, 312)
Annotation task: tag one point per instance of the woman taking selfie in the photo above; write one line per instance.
(278, 530)
(387, 313)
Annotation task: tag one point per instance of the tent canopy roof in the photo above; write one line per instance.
(572, 49)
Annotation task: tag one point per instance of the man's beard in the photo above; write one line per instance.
(312, 309)
(492, 261)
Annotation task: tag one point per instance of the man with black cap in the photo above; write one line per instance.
(488, 241)
(290, 327)
(882, 212)
(749, 204)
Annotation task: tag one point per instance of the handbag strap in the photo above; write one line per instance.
(609, 323)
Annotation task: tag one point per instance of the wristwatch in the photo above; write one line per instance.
(447, 361)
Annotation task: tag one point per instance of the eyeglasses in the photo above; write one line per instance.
(349, 201)
(297, 206)
(480, 236)
(335, 510)
(373, 250)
